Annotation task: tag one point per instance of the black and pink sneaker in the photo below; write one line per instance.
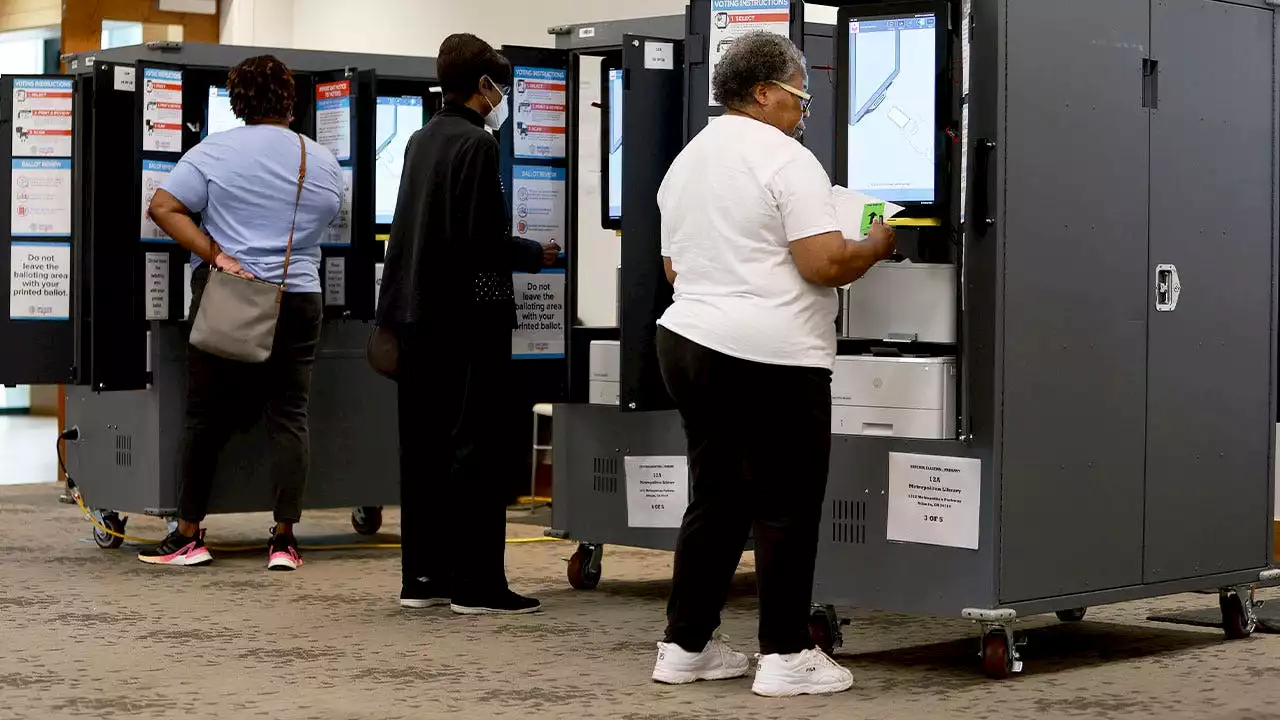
(283, 552)
(178, 549)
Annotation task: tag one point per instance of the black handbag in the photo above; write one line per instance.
(383, 352)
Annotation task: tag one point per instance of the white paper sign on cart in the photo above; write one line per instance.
(935, 500)
(657, 490)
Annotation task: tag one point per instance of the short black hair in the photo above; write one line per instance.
(755, 57)
(261, 88)
(463, 60)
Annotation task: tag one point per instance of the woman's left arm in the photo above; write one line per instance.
(174, 218)
(186, 191)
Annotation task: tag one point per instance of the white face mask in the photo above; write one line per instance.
(497, 113)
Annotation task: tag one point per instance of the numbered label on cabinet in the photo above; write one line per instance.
(934, 500)
(657, 491)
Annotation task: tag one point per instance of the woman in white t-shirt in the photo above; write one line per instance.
(751, 243)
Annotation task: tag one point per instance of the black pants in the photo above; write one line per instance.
(456, 407)
(759, 448)
(224, 396)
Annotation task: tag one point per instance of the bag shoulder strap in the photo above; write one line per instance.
(297, 198)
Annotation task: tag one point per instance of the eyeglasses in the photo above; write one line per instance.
(805, 98)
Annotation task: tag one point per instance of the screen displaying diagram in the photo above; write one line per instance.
(398, 118)
(892, 107)
(615, 144)
(218, 114)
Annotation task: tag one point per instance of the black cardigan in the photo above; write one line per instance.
(451, 253)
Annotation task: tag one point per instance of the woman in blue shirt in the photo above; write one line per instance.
(243, 183)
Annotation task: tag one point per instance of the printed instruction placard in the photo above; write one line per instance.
(40, 198)
(731, 19)
(40, 280)
(161, 110)
(42, 117)
(335, 281)
(540, 313)
(539, 112)
(333, 117)
(340, 229)
(537, 203)
(157, 290)
(657, 490)
(934, 500)
(153, 175)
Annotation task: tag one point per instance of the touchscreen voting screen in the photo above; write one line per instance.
(218, 114)
(615, 144)
(398, 118)
(892, 107)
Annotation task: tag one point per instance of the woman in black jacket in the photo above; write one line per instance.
(447, 296)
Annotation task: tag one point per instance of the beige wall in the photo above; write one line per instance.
(44, 400)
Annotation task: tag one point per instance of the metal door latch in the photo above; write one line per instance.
(1168, 287)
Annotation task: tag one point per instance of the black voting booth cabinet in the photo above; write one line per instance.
(107, 316)
(1086, 329)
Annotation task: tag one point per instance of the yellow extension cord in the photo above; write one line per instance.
(75, 494)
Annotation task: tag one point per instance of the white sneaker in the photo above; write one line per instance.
(810, 672)
(717, 661)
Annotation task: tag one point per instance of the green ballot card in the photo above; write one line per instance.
(870, 213)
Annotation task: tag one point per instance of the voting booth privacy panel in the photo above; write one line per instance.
(37, 136)
(1111, 412)
(119, 341)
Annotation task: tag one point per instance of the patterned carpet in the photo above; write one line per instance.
(93, 633)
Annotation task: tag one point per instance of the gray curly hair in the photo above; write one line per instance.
(754, 58)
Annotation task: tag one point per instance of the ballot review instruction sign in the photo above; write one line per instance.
(39, 280)
(657, 490)
(934, 500)
(42, 117)
(333, 117)
(539, 112)
(540, 315)
(538, 203)
(161, 110)
(731, 19)
(153, 175)
(40, 197)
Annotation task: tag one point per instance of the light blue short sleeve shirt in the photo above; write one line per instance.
(243, 181)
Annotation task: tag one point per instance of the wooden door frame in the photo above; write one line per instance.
(82, 22)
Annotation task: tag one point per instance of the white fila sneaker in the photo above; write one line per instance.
(717, 661)
(810, 672)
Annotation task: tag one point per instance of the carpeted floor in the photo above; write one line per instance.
(91, 633)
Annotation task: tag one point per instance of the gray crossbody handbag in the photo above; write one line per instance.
(238, 316)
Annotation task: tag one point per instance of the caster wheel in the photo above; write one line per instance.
(997, 656)
(1073, 615)
(822, 632)
(106, 541)
(1235, 622)
(581, 577)
(367, 520)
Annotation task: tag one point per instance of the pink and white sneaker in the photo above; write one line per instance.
(283, 551)
(178, 549)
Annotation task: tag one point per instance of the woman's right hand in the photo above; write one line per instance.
(885, 239)
(228, 264)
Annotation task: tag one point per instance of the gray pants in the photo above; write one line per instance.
(224, 396)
